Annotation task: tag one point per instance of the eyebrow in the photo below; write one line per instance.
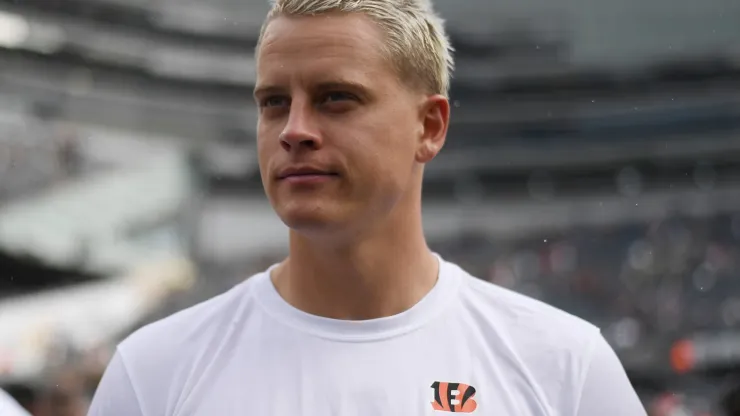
(267, 90)
(262, 90)
(341, 85)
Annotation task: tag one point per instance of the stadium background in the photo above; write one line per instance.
(593, 162)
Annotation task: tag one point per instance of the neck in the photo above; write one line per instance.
(382, 273)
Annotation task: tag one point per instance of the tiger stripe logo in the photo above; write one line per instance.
(454, 397)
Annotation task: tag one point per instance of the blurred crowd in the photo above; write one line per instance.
(676, 275)
(37, 155)
(67, 385)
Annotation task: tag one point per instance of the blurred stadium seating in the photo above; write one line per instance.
(593, 162)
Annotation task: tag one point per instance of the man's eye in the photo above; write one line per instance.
(337, 96)
(275, 101)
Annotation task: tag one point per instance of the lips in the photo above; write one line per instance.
(304, 171)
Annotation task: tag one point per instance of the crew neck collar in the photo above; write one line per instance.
(429, 307)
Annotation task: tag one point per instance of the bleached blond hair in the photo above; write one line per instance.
(416, 43)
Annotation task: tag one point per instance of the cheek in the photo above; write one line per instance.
(383, 160)
(397, 149)
(264, 161)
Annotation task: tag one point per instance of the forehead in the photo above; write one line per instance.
(348, 46)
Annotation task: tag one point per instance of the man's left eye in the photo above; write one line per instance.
(337, 96)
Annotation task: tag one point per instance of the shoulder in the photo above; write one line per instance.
(524, 316)
(170, 345)
(553, 347)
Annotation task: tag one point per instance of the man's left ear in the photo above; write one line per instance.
(435, 118)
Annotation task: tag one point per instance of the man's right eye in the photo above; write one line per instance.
(275, 101)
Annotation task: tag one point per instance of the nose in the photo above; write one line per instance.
(300, 132)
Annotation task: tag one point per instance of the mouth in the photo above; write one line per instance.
(305, 173)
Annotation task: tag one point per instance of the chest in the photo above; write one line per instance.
(356, 380)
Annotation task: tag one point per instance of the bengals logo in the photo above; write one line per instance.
(454, 397)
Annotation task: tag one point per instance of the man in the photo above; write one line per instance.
(361, 318)
(9, 407)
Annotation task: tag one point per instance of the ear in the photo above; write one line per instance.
(435, 119)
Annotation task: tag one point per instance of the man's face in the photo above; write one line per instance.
(340, 138)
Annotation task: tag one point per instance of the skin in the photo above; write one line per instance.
(329, 99)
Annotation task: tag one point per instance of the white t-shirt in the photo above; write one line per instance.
(9, 407)
(468, 345)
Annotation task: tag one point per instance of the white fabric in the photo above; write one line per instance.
(606, 389)
(248, 352)
(9, 407)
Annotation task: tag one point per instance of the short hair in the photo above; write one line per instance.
(416, 43)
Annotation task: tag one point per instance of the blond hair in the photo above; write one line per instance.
(416, 43)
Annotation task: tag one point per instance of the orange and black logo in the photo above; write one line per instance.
(454, 397)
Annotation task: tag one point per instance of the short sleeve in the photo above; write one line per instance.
(116, 394)
(607, 391)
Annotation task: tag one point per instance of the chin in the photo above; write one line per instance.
(307, 218)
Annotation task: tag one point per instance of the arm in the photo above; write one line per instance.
(116, 395)
(607, 390)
